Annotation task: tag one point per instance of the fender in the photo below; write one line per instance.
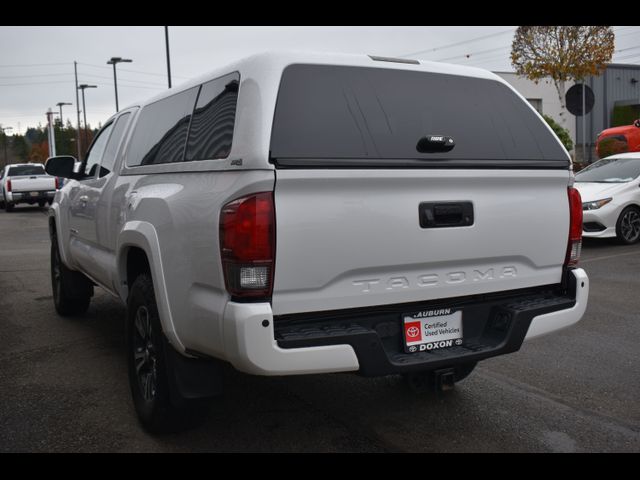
(143, 235)
(63, 236)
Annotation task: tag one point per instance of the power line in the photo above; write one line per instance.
(482, 52)
(67, 82)
(464, 42)
(33, 65)
(128, 70)
(31, 83)
(469, 55)
(154, 74)
(36, 75)
(124, 79)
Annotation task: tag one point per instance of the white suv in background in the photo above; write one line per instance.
(308, 213)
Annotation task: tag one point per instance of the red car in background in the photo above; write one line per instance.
(619, 140)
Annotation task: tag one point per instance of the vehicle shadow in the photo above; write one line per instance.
(26, 208)
(327, 412)
(595, 243)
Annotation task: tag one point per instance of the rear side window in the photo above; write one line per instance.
(341, 116)
(161, 131)
(26, 170)
(211, 130)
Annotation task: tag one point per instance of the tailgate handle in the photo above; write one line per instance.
(445, 214)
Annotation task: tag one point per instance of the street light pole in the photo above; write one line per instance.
(83, 87)
(59, 105)
(114, 61)
(166, 41)
(6, 160)
(78, 142)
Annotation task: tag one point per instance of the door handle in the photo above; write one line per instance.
(445, 214)
(84, 199)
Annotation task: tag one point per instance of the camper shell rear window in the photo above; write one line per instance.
(343, 116)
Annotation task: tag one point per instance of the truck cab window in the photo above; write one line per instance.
(95, 154)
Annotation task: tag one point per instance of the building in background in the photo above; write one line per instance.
(617, 102)
(543, 96)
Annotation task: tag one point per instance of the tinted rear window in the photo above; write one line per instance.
(211, 130)
(161, 131)
(372, 116)
(26, 170)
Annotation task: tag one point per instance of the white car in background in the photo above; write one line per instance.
(610, 190)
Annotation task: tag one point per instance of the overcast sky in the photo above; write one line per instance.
(36, 63)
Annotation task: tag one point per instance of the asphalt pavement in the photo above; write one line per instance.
(63, 383)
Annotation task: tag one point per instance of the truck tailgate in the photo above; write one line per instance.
(33, 183)
(353, 238)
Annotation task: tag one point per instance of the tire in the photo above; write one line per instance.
(42, 203)
(72, 291)
(8, 206)
(426, 381)
(628, 226)
(148, 368)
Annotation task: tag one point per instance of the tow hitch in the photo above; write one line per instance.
(436, 381)
(445, 379)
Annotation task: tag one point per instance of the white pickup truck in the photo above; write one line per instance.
(26, 183)
(302, 213)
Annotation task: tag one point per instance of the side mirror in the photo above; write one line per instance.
(61, 166)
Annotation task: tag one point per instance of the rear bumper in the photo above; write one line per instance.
(26, 197)
(369, 341)
(251, 346)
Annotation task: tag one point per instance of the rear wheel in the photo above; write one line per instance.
(8, 206)
(628, 226)
(72, 291)
(148, 369)
(42, 203)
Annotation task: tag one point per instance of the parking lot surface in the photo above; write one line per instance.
(63, 382)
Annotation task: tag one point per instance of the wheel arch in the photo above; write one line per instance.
(138, 250)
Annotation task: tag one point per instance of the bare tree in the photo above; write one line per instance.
(563, 53)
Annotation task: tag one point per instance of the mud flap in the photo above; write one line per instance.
(191, 378)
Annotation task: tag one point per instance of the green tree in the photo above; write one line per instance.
(562, 133)
(65, 139)
(563, 53)
(20, 148)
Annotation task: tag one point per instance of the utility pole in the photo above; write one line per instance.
(75, 68)
(166, 39)
(51, 135)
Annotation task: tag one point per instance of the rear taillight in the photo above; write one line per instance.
(247, 246)
(57, 183)
(575, 228)
(8, 184)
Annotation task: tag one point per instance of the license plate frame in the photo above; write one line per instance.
(432, 329)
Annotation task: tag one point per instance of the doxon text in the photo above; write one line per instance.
(435, 345)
